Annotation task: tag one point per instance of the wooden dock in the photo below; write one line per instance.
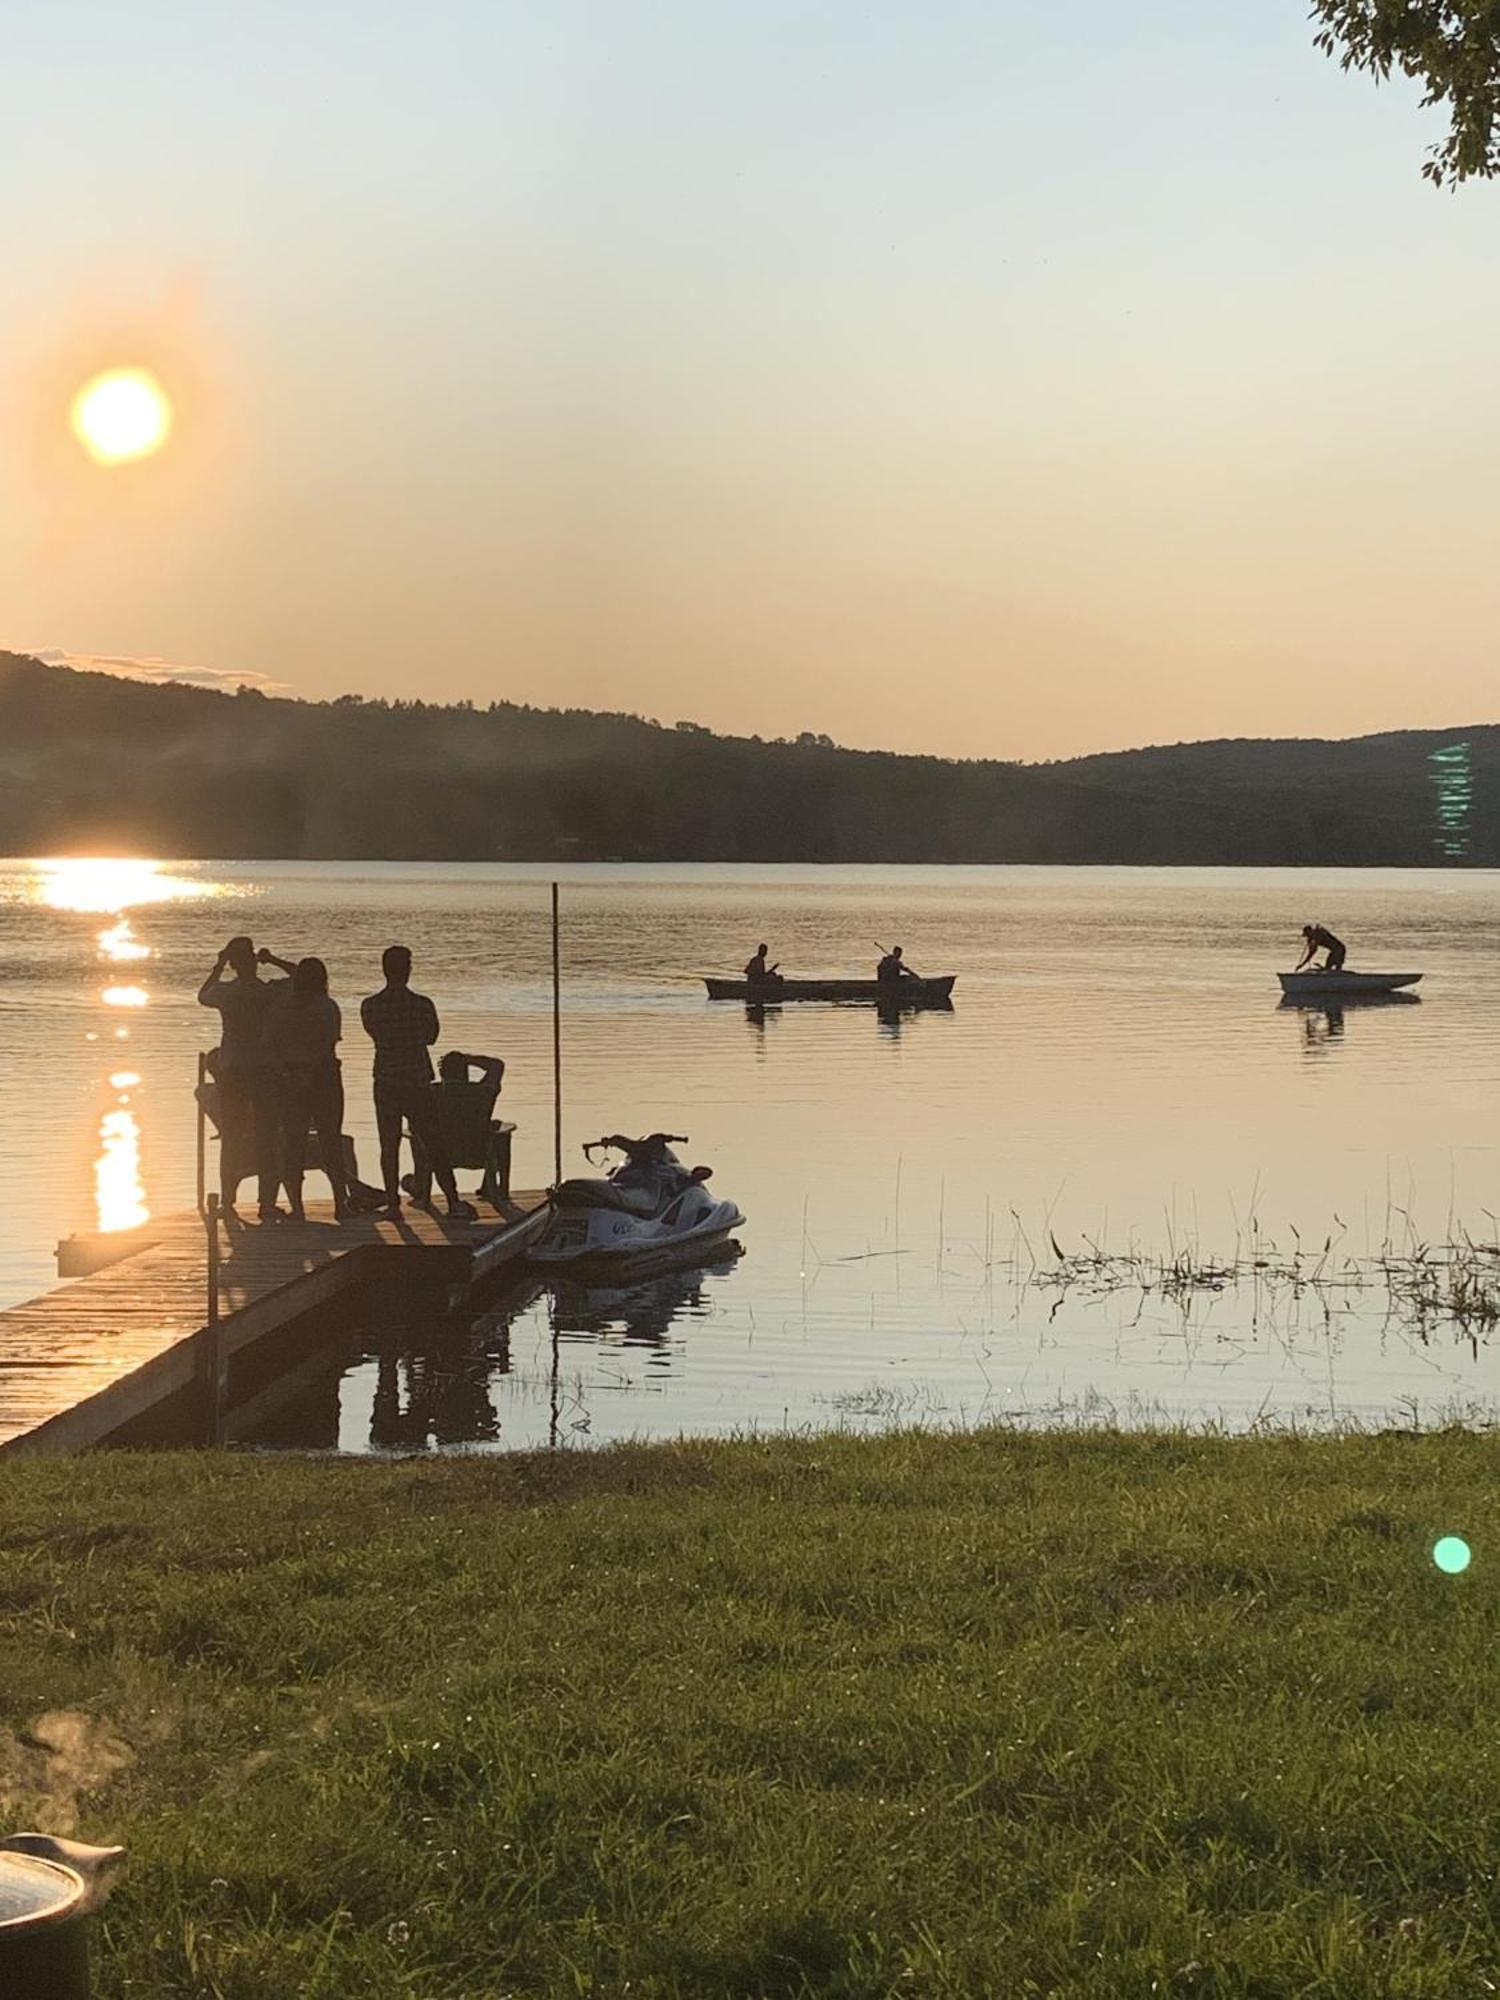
(95, 1360)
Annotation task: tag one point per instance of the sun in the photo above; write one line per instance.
(122, 414)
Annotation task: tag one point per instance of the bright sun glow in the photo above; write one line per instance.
(121, 414)
(125, 996)
(108, 887)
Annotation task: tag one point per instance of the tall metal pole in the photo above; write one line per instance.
(556, 1047)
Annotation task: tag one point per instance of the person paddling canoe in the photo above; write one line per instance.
(1316, 940)
(893, 968)
(758, 972)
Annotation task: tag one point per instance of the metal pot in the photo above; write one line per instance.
(48, 1888)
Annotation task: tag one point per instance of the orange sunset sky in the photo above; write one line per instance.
(992, 379)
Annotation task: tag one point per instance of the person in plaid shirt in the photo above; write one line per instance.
(403, 1026)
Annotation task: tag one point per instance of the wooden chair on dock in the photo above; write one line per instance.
(489, 1152)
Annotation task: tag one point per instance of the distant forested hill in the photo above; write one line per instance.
(88, 761)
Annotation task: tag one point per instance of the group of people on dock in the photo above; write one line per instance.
(278, 1078)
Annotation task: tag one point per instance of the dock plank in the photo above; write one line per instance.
(96, 1353)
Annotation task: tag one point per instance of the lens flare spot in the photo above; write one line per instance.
(122, 414)
(1452, 1555)
(120, 943)
(125, 996)
(118, 1194)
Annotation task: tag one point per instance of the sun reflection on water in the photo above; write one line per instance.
(125, 996)
(118, 1193)
(120, 943)
(107, 885)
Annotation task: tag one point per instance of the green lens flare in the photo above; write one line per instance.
(1451, 1554)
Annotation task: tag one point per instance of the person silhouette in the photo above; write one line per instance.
(471, 1132)
(303, 1029)
(403, 1025)
(249, 1109)
(1316, 939)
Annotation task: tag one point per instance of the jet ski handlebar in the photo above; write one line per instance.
(616, 1142)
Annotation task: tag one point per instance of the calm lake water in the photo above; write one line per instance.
(1117, 1077)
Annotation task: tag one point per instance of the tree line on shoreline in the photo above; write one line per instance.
(94, 762)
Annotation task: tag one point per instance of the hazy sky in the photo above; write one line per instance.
(992, 378)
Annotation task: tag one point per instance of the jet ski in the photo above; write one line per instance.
(650, 1208)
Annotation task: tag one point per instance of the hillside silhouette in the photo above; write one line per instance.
(89, 762)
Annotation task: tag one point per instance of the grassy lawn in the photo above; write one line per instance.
(993, 1715)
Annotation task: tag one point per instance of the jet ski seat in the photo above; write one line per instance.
(607, 1194)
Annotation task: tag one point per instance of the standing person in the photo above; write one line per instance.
(249, 1111)
(1317, 939)
(302, 1034)
(403, 1025)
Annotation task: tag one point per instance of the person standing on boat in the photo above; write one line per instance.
(893, 968)
(249, 1109)
(757, 972)
(1317, 939)
(403, 1026)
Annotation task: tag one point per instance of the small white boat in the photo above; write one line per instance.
(1324, 985)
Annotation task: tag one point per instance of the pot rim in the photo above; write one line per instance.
(62, 1912)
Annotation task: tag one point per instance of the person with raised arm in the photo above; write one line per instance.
(471, 1133)
(249, 1106)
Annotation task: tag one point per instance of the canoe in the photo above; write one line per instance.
(771, 992)
(1322, 985)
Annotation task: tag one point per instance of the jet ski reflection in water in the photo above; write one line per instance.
(650, 1210)
(638, 1311)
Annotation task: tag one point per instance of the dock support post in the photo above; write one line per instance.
(217, 1382)
(211, 1225)
(202, 1133)
(557, 1173)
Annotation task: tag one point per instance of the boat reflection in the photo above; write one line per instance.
(891, 1016)
(1323, 1020)
(758, 1019)
(894, 1017)
(639, 1314)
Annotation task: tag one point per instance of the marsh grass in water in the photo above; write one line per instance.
(997, 1713)
(1423, 1287)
